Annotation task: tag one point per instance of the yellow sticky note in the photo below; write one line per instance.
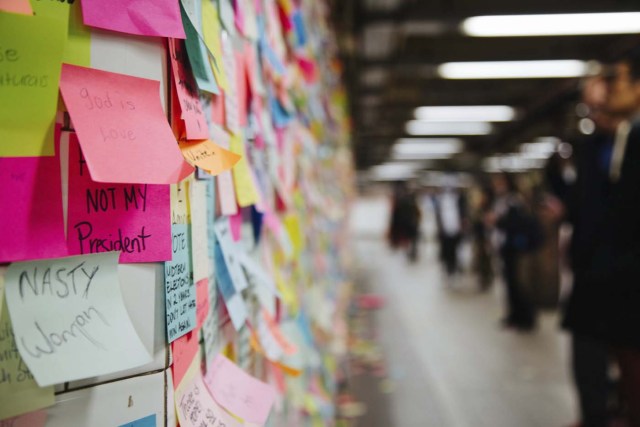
(30, 58)
(77, 51)
(211, 32)
(19, 391)
(246, 192)
(180, 209)
(292, 224)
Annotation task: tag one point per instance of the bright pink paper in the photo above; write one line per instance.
(235, 223)
(31, 215)
(187, 92)
(202, 301)
(124, 134)
(183, 349)
(32, 419)
(134, 219)
(239, 16)
(238, 392)
(217, 109)
(241, 87)
(142, 17)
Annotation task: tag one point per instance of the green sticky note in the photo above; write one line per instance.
(19, 391)
(30, 59)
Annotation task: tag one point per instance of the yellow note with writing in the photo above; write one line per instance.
(246, 192)
(211, 32)
(30, 58)
(19, 391)
(292, 225)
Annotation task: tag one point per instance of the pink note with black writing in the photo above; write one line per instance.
(134, 219)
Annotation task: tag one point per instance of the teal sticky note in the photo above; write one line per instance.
(197, 53)
(180, 291)
(149, 421)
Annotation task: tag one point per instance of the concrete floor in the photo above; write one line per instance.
(448, 362)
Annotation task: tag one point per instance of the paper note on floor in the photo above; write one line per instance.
(130, 218)
(191, 109)
(180, 291)
(124, 134)
(32, 48)
(31, 214)
(208, 156)
(19, 391)
(196, 407)
(69, 313)
(32, 419)
(238, 392)
(142, 17)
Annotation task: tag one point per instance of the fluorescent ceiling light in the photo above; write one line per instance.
(422, 156)
(393, 171)
(417, 127)
(542, 147)
(482, 113)
(418, 149)
(516, 69)
(552, 25)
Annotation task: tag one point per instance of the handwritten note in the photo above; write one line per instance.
(209, 156)
(124, 134)
(142, 17)
(199, 229)
(231, 253)
(30, 57)
(238, 392)
(180, 291)
(198, 56)
(32, 419)
(184, 350)
(232, 298)
(131, 218)
(196, 407)
(69, 313)
(31, 214)
(22, 7)
(192, 112)
(149, 421)
(19, 391)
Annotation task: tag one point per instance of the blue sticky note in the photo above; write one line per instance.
(225, 283)
(149, 421)
(256, 221)
(298, 26)
(280, 116)
(198, 56)
(180, 291)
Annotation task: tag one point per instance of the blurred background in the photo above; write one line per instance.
(469, 121)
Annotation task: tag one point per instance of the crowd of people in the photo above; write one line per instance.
(514, 231)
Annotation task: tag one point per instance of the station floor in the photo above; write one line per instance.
(444, 359)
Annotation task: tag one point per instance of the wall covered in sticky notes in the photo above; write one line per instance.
(175, 177)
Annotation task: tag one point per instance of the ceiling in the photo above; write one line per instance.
(390, 50)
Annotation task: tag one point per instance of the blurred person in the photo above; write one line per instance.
(404, 228)
(516, 235)
(450, 209)
(602, 312)
(482, 253)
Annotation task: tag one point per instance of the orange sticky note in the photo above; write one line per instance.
(123, 132)
(22, 7)
(208, 156)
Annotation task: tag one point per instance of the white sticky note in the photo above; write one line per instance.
(199, 234)
(68, 313)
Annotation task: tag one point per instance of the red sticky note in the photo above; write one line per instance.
(142, 17)
(184, 350)
(124, 134)
(202, 301)
(134, 219)
(32, 419)
(192, 112)
(31, 215)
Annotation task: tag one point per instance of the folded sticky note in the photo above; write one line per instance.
(68, 313)
(208, 156)
(142, 17)
(124, 134)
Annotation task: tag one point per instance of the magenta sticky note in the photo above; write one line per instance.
(134, 219)
(31, 215)
(238, 392)
(142, 17)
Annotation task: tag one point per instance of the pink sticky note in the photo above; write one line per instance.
(31, 215)
(32, 419)
(235, 224)
(184, 350)
(124, 134)
(239, 15)
(142, 17)
(134, 219)
(187, 91)
(238, 392)
(217, 109)
(241, 87)
(202, 301)
(22, 7)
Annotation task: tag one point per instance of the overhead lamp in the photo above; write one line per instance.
(546, 147)
(569, 24)
(563, 68)
(394, 171)
(417, 127)
(428, 146)
(466, 113)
